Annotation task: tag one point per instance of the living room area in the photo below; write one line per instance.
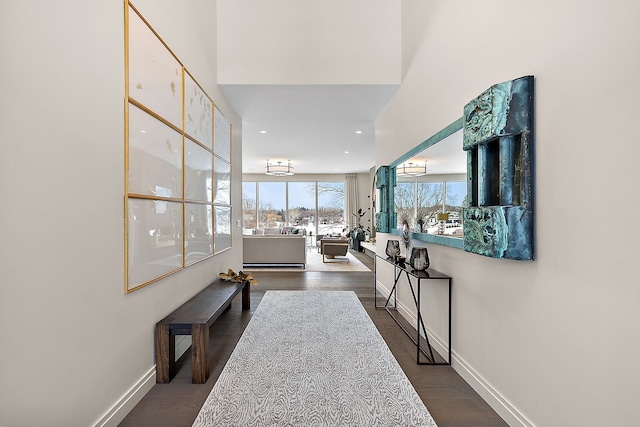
(307, 222)
(285, 253)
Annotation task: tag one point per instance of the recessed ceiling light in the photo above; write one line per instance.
(263, 131)
(346, 152)
(358, 131)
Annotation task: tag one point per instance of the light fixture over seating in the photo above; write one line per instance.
(278, 169)
(412, 169)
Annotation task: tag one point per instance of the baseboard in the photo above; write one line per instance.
(498, 402)
(409, 315)
(385, 292)
(490, 395)
(119, 411)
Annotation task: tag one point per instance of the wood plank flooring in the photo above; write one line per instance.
(449, 399)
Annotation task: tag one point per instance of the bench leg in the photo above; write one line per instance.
(199, 353)
(165, 354)
(246, 302)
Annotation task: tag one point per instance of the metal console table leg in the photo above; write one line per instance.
(419, 275)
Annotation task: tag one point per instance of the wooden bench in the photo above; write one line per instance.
(194, 318)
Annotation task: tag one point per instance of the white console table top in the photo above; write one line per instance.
(369, 245)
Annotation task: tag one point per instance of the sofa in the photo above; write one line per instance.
(279, 230)
(274, 249)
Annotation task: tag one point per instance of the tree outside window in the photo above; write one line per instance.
(278, 204)
(331, 218)
(249, 213)
(418, 203)
(271, 204)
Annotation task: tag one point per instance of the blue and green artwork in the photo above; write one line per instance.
(498, 138)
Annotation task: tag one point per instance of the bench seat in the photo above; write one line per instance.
(194, 318)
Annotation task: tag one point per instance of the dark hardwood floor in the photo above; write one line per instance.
(449, 399)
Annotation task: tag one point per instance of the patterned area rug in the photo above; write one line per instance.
(312, 358)
(314, 263)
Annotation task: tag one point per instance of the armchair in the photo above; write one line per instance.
(332, 248)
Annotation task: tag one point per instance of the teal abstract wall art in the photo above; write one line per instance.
(385, 181)
(498, 138)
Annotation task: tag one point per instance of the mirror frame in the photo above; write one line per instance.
(449, 130)
(498, 136)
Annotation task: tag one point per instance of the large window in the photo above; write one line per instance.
(456, 200)
(316, 207)
(331, 218)
(419, 203)
(272, 204)
(301, 211)
(429, 204)
(405, 195)
(249, 205)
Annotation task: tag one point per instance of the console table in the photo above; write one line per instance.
(369, 248)
(421, 277)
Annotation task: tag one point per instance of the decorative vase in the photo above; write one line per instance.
(419, 259)
(393, 249)
(406, 238)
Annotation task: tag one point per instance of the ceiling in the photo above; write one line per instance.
(445, 157)
(314, 126)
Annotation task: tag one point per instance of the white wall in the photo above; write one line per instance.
(364, 199)
(303, 42)
(555, 340)
(72, 343)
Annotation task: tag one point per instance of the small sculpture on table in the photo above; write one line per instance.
(406, 237)
(241, 276)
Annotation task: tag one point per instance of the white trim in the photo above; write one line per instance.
(493, 398)
(384, 291)
(119, 411)
(501, 405)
